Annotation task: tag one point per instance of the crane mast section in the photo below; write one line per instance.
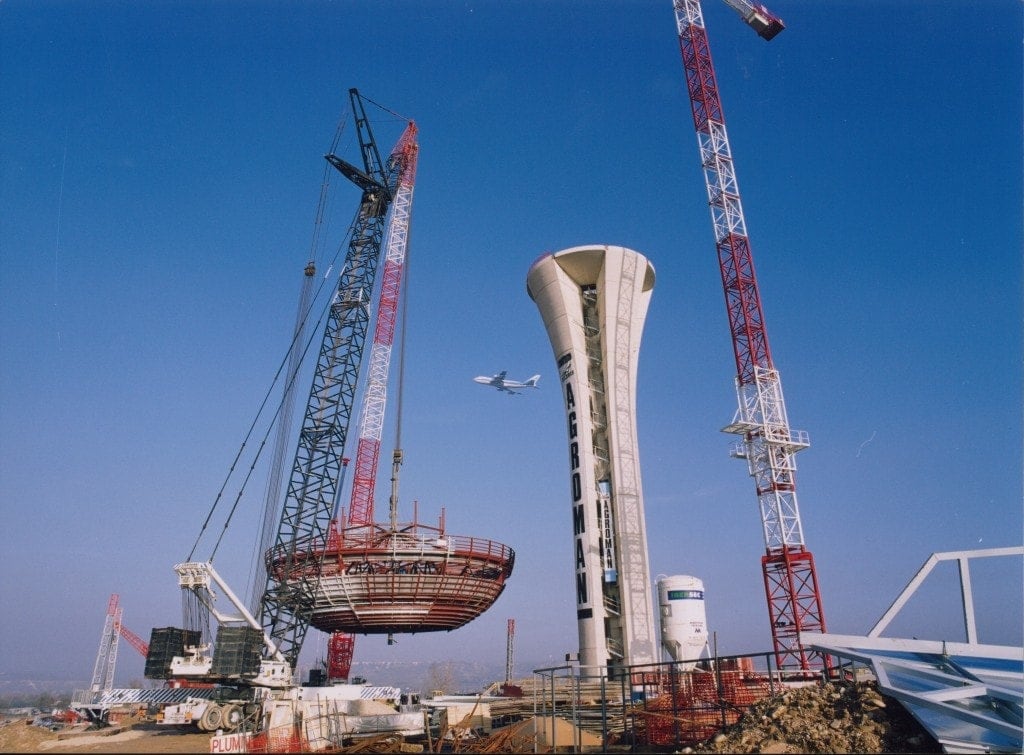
(508, 650)
(375, 395)
(106, 657)
(313, 486)
(769, 445)
(739, 280)
(339, 655)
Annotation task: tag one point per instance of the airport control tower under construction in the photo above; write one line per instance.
(593, 300)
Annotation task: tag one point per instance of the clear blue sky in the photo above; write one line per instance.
(160, 165)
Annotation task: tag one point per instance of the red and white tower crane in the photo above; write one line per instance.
(768, 445)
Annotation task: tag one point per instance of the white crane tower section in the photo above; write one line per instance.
(593, 300)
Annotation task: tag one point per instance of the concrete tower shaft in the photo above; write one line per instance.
(593, 300)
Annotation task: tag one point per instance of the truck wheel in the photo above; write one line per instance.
(212, 718)
(231, 717)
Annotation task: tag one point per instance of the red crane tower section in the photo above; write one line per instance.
(106, 658)
(768, 445)
(340, 648)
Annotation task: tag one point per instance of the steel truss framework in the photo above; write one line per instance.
(375, 395)
(313, 487)
(768, 445)
(106, 657)
(968, 695)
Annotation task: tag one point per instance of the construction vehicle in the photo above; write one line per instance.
(767, 443)
(254, 685)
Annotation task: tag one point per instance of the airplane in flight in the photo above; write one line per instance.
(498, 381)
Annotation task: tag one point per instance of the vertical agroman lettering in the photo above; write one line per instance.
(581, 588)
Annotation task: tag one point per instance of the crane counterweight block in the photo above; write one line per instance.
(757, 17)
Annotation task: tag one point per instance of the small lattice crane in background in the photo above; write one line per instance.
(106, 658)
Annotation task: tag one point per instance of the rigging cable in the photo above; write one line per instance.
(273, 498)
(259, 413)
(398, 454)
(325, 188)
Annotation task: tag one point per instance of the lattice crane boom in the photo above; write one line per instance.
(768, 444)
(315, 480)
(134, 640)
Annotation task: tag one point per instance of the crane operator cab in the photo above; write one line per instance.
(760, 19)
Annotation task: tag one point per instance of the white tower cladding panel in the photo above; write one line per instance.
(684, 623)
(594, 300)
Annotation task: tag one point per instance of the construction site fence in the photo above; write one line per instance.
(659, 706)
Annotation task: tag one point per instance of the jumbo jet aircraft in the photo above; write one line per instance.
(498, 381)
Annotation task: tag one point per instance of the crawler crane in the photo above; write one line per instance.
(254, 657)
(343, 576)
(314, 485)
(768, 445)
(280, 623)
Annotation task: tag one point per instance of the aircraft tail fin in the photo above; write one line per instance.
(532, 382)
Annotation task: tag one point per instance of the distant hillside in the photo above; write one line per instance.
(426, 676)
(423, 676)
(19, 692)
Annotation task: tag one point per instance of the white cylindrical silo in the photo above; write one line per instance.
(684, 623)
(593, 300)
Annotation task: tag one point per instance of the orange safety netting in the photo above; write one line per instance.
(695, 710)
(278, 739)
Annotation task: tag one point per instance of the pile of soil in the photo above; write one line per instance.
(826, 718)
(23, 737)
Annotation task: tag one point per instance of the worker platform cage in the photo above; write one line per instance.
(653, 707)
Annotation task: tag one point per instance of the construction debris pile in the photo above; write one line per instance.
(824, 719)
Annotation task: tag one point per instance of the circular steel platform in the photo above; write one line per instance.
(413, 578)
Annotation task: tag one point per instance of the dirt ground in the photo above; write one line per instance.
(849, 718)
(21, 736)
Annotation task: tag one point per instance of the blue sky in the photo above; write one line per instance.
(160, 166)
